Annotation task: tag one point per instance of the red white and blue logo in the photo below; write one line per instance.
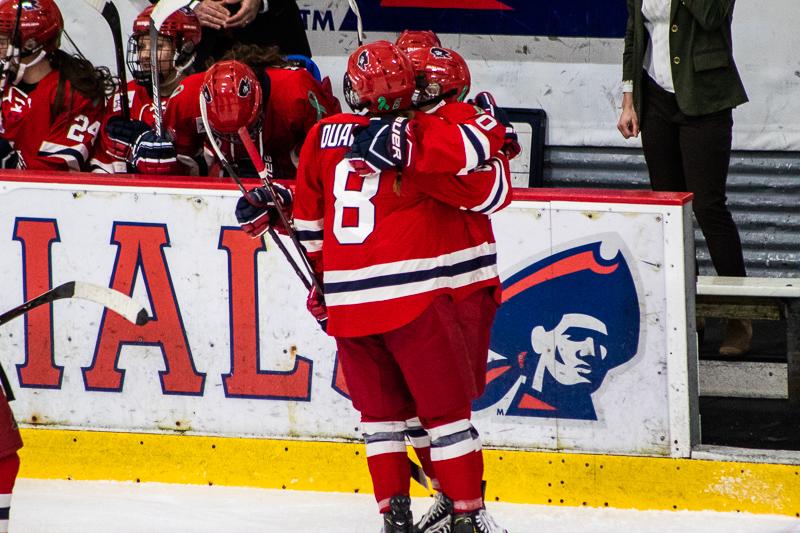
(363, 60)
(565, 322)
(555, 18)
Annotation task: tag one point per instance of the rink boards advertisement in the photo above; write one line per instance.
(589, 350)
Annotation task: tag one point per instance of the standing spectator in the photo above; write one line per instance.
(260, 22)
(52, 102)
(681, 80)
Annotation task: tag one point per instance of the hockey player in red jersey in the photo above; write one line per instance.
(291, 101)
(443, 78)
(52, 103)
(397, 262)
(10, 443)
(177, 43)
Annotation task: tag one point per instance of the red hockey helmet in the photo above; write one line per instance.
(411, 40)
(40, 25)
(442, 74)
(233, 96)
(182, 27)
(379, 79)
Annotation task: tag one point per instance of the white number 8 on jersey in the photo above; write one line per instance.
(359, 200)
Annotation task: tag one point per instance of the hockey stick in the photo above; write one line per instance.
(417, 474)
(121, 304)
(233, 174)
(109, 12)
(359, 23)
(6, 385)
(161, 12)
(265, 176)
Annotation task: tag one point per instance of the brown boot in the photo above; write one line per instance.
(738, 336)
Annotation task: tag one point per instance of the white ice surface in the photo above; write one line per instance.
(43, 506)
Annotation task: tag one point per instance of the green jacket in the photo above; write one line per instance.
(703, 71)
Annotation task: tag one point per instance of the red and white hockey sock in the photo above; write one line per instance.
(476, 438)
(458, 463)
(421, 442)
(387, 460)
(9, 467)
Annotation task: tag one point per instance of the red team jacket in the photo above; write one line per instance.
(387, 256)
(141, 109)
(296, 102)
(47, 142)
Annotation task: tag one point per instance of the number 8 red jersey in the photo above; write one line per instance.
(387, 254)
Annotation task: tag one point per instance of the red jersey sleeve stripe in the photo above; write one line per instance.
(74, 157)
(499, 192)
(476, 147)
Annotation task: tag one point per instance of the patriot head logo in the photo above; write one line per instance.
(363, 60)
(244, 88)
(440, 53)
(564, 323)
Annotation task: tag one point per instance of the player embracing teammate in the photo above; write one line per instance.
(392, 207)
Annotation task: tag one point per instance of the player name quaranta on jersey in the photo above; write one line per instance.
(336, 135)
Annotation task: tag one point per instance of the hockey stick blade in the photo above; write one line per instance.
(359, 23)
(163, 9)
(109, 12)
(417, 474)
(121, 304)
(98, 5)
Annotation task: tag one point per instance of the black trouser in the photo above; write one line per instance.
(692, 153)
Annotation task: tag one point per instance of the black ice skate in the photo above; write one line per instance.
(398, 518)
(475, 522)
(437, 519)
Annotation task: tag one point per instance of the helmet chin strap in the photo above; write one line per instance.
(178, 71)
(22, 67)
(180, 66)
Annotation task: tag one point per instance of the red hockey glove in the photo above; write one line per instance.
(122, 134)
(381, 145)
(154, 155)
(257, 213)
(486, 101)
(315, 304)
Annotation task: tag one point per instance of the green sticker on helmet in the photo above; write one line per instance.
(314, 101)
(382, 105)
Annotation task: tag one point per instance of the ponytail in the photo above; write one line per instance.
(94, 83)
(257, 57)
